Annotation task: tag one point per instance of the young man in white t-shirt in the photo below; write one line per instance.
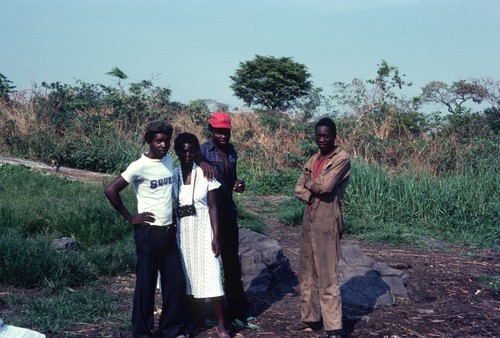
(154, 234)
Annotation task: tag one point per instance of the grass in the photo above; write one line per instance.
(47, 266)
(36, 208)
(490, 282)
(54, 313)
(462, 208)
(290, 212)
(262, 181)
(250, 221)
(32, 203)
(246, 218)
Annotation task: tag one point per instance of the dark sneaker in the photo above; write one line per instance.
(305, 327)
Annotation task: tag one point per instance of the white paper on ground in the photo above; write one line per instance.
(9, 331)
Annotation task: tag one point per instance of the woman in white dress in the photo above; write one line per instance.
(198, 228)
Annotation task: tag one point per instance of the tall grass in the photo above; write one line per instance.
(463, 207)
(29, 262)
(37, 208)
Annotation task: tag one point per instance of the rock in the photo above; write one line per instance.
(262, 261)
(364, 282)
(64, 243)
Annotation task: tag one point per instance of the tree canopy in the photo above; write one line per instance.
(273, 83)
(6, 87)
(455, 95)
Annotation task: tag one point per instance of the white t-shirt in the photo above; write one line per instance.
(152, 180)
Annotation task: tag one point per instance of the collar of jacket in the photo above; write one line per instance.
(335, 151)
(211, 146)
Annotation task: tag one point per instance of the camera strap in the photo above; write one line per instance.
(193, 182)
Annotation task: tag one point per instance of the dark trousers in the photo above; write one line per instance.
(157, 250)
(236, 299)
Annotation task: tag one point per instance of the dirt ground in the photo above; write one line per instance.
(448, 297)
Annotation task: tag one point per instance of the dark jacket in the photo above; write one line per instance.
(225, 202)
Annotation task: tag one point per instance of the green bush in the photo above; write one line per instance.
(263, 182)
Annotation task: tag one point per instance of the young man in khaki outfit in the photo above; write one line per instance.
(322, 186)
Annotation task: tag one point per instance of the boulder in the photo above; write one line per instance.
(262, 261)
(364, 282)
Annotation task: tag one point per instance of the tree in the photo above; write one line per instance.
(378, 118)
(119, 74)
(273, 83)
(6, 88)
(375, 97)
(455, 95)
(492, 116)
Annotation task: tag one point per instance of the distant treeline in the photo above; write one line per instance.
(99, 128)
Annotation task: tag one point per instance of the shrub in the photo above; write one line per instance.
(261, 181)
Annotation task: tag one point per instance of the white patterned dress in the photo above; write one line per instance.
(194, 236)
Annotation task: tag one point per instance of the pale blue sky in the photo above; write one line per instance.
(192, 47)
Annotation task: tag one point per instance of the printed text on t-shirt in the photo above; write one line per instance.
(161, 182)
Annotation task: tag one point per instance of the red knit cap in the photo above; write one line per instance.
(220, 120)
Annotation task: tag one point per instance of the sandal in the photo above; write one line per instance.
(252, 326)
(222, 334)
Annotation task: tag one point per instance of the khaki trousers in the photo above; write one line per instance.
(318, 276)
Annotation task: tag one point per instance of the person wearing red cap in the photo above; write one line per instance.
(222, 155)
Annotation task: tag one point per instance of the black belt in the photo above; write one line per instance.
(159, 228)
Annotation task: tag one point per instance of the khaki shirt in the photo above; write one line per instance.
(325, 194)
